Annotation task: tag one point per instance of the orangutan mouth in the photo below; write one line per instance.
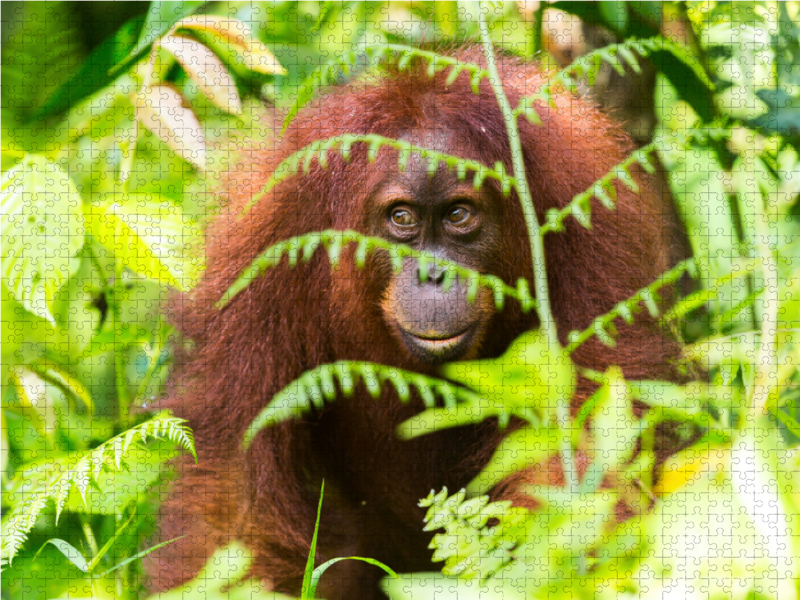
(438, 348)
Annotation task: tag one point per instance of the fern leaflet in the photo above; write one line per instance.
(603, 189)
(319, 385)
(588, 66)
(469, 547)
(603, 326)
(106, 457)
(343, 144)
(334, 242)
(399, 56)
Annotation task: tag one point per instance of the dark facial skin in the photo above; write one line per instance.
(450, 219)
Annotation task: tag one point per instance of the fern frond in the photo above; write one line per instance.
(343, 144)
(588, 66)
(469, 548)
(603, 189)
(742, 267)
(319, 385)
(399, 56)
(334, 242)
(106, 457)
(603, 326)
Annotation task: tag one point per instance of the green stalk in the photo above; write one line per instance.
(523, 191)
(534, 236)
(538, 20)
(120, 349)
(765, 388)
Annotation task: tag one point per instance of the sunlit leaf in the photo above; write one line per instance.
(206, 69)
(42, 227)
(160, 109)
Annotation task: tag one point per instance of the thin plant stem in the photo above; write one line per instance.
(538, 21)
(523, 191)
(535, 237)
(120, 348)
(765, 388)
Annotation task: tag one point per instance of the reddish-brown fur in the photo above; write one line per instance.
(289, 321)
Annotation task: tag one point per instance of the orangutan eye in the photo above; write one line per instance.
(402, 217)
(459, 215)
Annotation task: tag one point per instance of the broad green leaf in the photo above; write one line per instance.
(99, 70)
(518, 450)
(206, 70)
(5, 449)
(231, 31)
(709, 218)
(42, 228)
(257, 57)
(42, 45)
(57, 376)
(33, 402)
(145, 241)
(529, 375)
(614, 427)
(615, 14)
(161, 16)
(160, 109)
(73, 554)
(25, 336)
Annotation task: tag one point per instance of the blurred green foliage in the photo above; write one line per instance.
(103, 206)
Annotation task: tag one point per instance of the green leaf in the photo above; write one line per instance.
(148, 242)
(309, 581)
(783, 116)
(518, 450)
(161, 16)
(687, 77)
(43, 44)
(530, 374)
(139, 555)
(614, 428)
(72, 553)
(108, 61)
(33, 403)
(42, 227)
(702, 200)
(67, 383)
(615, 15)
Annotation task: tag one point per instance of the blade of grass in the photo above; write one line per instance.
(307, 591)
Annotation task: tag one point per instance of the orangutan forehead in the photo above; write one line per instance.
(416, 171)
(442, 139)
